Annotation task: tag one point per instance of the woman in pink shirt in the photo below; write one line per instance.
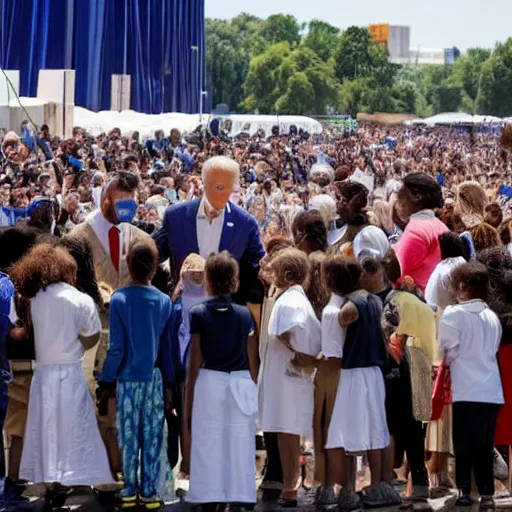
(418, 249)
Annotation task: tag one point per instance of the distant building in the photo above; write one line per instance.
(398, 42)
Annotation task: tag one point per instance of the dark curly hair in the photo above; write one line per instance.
(15, 242)
(341, 275)
(473, 277)
(499, 265)
(81, 251)
(291, 267)
(222, 273)
(309, 228)
(453, 246)
(142, 260)
(44, 265)
(425, 190)
(316, 292)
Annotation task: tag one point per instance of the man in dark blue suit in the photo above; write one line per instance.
(213, 224)
(202, 226)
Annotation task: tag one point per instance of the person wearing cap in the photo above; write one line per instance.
(109, 232)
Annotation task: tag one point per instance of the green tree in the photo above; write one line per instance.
(357, 55)
(467, 70)
(299, 97)
(281, 28)
(494, 90)
(322, 38)
(354, 96)
(229, 48)
(267, 85)
(263, 82)
(405, 96)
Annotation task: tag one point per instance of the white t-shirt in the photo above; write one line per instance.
(333, 335)
(293, 312)
(59, 315)
(469, 337)
(286, 402)
(437, 291)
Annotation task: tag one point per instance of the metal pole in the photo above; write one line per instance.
(64, 106)
(195, 49)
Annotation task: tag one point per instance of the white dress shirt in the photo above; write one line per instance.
(101, 227)
(469, 337)
(209, 233)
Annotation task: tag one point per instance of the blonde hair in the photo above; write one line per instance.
(221, 163)
(383, 213)
(326, 205)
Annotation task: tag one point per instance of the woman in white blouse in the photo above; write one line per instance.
(286, 391)
(469, 336)
(62, 442)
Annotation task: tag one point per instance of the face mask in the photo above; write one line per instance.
(170, 193)
(126, 210)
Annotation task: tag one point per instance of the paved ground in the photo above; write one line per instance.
(86, 501)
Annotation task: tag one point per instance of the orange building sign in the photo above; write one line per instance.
(380, 32)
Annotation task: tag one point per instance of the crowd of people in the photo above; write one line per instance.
(165, 303)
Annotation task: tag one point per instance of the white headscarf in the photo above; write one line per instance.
(371, 241)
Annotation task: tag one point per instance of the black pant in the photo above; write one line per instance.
(273, 469)
(408, 433)
(474, 425)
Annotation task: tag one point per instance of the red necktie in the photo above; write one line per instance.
(113, 240)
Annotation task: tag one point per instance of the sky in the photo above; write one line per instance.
(434, 23)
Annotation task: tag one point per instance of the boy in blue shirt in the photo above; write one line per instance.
(138, 358)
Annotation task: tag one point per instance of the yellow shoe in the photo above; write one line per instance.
(153, 503)
(129, 502)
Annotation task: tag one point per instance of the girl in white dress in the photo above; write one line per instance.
(62, 442)
(286, 392)
(358, 422)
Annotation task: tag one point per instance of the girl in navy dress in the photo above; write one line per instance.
(221, 400)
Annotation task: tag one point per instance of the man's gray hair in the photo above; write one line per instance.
(221, 163)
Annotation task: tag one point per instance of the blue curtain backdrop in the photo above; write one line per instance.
(160, 43)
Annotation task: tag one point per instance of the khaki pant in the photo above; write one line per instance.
(326, 387)
(17, 407)
(92, 361)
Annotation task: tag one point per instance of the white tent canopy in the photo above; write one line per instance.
(253, 123)
(457, 118)
(129, 120)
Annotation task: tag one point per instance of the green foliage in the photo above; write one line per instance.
(230, 46)
(279, 65)
(495, 85)
(299, 97)
(281, 28)
(322, 38)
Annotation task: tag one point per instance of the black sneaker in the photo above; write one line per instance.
(464, 501)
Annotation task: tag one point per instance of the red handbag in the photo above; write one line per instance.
(442, 392)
